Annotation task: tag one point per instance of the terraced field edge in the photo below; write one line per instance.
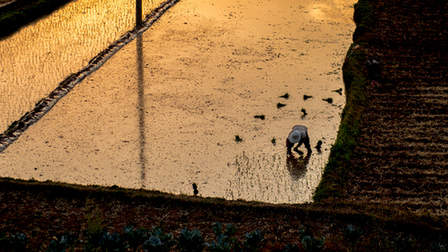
(355, 78)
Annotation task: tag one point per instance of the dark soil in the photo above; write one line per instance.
(402, 156)
(44, 210)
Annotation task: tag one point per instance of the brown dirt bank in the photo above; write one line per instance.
(401, 157)
(42, 210)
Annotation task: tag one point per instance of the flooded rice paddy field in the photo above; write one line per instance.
(38, 57)
(164, 111)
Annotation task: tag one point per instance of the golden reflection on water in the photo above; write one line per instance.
(163, 112)
(37, 58)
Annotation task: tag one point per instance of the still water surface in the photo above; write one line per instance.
(164, 111)
(38, 57)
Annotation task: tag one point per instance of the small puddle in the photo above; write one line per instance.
(164, 111)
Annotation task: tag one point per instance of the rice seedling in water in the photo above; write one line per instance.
(318, 145)
(286, 96)
(279, 105)
(304, 113)
(265, 177)
(306, 97)
(329, 100)
(339, 91)
(195, 189)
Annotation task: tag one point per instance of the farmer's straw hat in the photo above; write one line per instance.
(294, 136)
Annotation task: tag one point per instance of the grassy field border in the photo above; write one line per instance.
(355, 79)
(15, 15)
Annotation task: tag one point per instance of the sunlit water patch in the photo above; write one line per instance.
(275, 178)
(38, 57)
(163, 112)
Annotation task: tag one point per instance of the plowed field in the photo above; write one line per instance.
(402, 153)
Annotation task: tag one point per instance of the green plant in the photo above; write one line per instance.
(195, 189)
(134, 237)
(306, 97)
(339, 91)
(352, 234)
(61, 243)
(191, 241)
(253, 241)
(313, 244)
(304, 231)
(3, 240)
(403, 244)
(329, 100)
(291, 248)
(318, 145)
(286, 96)
(224, 240)
(304, 113)
(16, 242)
(238, 139)
(159, 241)
(336, 171)
(279, 105)
(262, 117)
(112, 243)
(273, 141)
(438, 247)
(94, 231)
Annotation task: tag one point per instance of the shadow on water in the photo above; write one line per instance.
(141, 108)
(297, 166)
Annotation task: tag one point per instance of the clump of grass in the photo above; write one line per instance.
(195, 189)
(329, 100)
(273, 141)
(286, 96)
(313, 244)
(225, 240)
(306, 97)
(238, 139)
(95, 229)
(262, 117)
(280, 105)
(304, 113)
(318, 145)
(339, 91)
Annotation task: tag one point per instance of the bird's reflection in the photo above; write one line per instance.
(297, 166)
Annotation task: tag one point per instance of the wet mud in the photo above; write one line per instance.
(164, 111)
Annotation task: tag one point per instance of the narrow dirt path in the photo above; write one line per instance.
(402, 153)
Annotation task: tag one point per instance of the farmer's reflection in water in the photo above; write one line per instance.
(297, 166)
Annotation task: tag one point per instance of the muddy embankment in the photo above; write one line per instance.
(399, 158)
